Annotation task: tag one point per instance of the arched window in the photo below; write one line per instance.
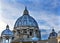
(24, 31)
(18, 31)
(36, 30)
(31, 32)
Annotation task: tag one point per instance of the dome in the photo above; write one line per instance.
(26, 20)
(53, 34)
(7, 32)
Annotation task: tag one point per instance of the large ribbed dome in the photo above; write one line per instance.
(26, 20)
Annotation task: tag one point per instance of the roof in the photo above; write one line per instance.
(26, 20)
(7, 32)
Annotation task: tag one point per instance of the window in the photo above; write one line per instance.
(36, 30)
(24, 31)
(31, 31)
(18, 31)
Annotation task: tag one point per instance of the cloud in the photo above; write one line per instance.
(2, 25)
(49, 19)
(10, 10)
(45, 34)
(51, 6)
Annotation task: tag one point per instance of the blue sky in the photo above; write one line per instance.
(45, 12)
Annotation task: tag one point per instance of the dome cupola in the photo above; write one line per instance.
(25, 11)
(53, 34)
(7, 32)
(25, 20)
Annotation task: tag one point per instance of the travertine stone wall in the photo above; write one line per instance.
(53, 40)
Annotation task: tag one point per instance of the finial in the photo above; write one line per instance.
(26, 11)
(53, 29)
(7, 27)
(25, 7)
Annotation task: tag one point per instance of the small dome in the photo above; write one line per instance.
(53, 34)
(26, 20)
(7, 32)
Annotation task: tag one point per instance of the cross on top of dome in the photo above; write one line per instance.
(25, 11)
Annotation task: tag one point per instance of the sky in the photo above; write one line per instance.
(45, 12)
